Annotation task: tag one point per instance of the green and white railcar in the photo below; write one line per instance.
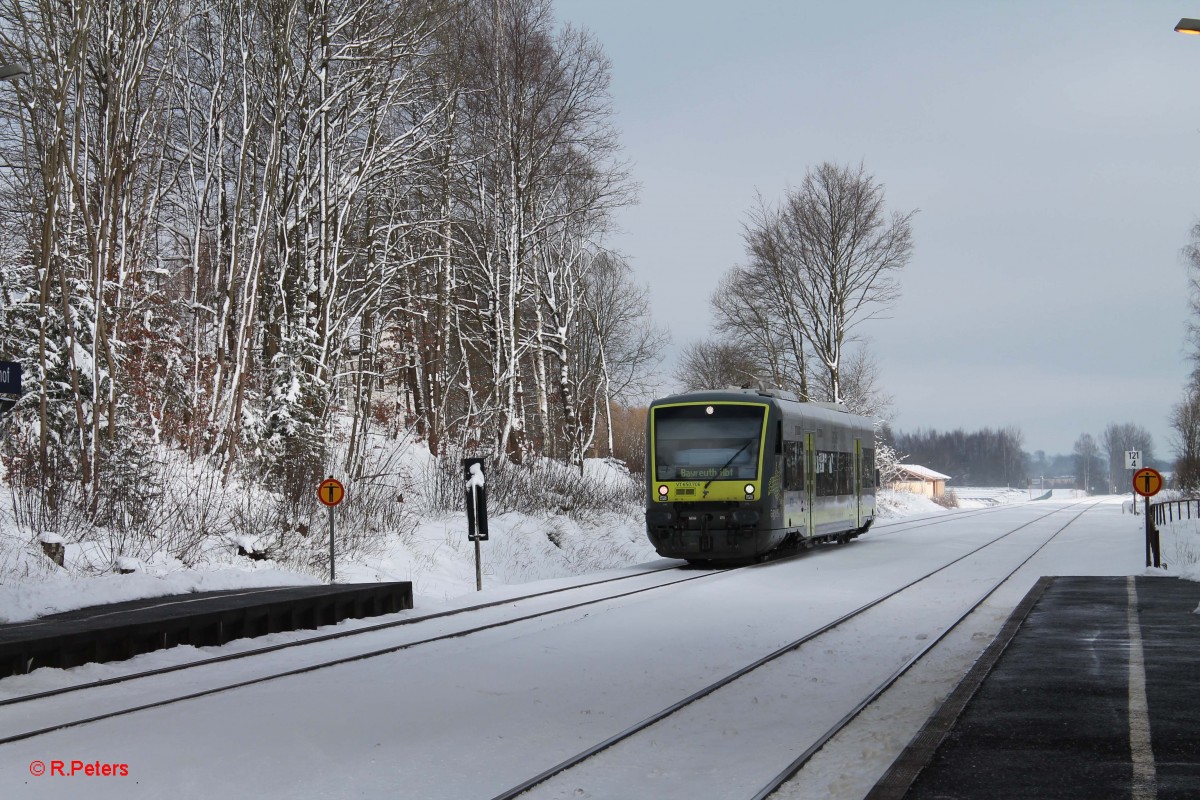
(738, 474)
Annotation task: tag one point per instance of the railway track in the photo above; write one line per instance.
(42, 713)
(67, 714)
(909, 523)
(314, 639)
(662, 718)
(883, 529)
(66, 709)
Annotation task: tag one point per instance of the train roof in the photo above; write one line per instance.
(786, 401)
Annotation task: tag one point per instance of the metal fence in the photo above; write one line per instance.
(1172, 510)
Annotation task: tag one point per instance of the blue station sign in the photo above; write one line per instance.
(10, 377)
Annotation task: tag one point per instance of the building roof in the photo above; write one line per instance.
(924, 473)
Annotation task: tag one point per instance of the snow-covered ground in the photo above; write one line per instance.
(435, 556)
(985, 496)
(432, 552)
(463, 718)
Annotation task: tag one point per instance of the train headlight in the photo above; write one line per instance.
(708, 410)
(749, 489)
(662, 491)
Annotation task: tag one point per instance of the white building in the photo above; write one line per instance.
(920, 480)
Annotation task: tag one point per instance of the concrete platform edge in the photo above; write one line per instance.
(214, 621)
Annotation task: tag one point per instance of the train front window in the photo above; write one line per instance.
(692, 444)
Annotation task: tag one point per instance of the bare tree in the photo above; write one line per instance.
(1117, 439)
(1185, 424)
(714, 364)
(1086, 460)
(620, 341)
(756, 314)
(861, 390)
(829, 256)
(1191, 255)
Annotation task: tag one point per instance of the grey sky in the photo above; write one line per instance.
(1052, 148)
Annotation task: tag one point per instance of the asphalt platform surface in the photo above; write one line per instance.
(1091, 692)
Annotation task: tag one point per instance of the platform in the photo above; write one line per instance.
(1055, 708)
(123, 630)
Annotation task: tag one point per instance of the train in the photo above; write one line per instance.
(741, 475)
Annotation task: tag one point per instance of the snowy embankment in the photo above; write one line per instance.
(431, 551)
(906, 504)
(984, 497)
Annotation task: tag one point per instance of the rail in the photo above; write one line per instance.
(1171, 510)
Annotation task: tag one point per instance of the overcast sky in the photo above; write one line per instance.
(1052, 149)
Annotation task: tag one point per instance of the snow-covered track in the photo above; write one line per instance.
(68, 708)
(803, 758)
(640, 728)
(882, 529)
(318, 638)
(909, 523)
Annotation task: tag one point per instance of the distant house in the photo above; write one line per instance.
(920, 480)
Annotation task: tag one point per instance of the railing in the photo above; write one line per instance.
(1172, 510)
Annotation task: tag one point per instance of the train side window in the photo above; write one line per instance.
(793, 466)
(868, 468)
(845, 473)
(827, 484)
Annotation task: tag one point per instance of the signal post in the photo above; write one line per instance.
(1148, 482)
(330, 493)
(477, 523)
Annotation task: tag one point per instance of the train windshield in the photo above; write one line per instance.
(707, 442)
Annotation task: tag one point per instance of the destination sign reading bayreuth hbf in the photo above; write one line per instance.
(700, 473)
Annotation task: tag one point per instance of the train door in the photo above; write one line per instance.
(858, 487)
(810, 481)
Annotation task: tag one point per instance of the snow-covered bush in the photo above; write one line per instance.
(947, 499)
(544, 486)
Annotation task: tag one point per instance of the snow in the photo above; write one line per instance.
(918, 471)
(470, 716)
(436, 558)
(26, 600)
(477, 479)
(905, 504)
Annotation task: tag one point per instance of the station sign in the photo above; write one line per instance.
(1147, 482)
(10, 377)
